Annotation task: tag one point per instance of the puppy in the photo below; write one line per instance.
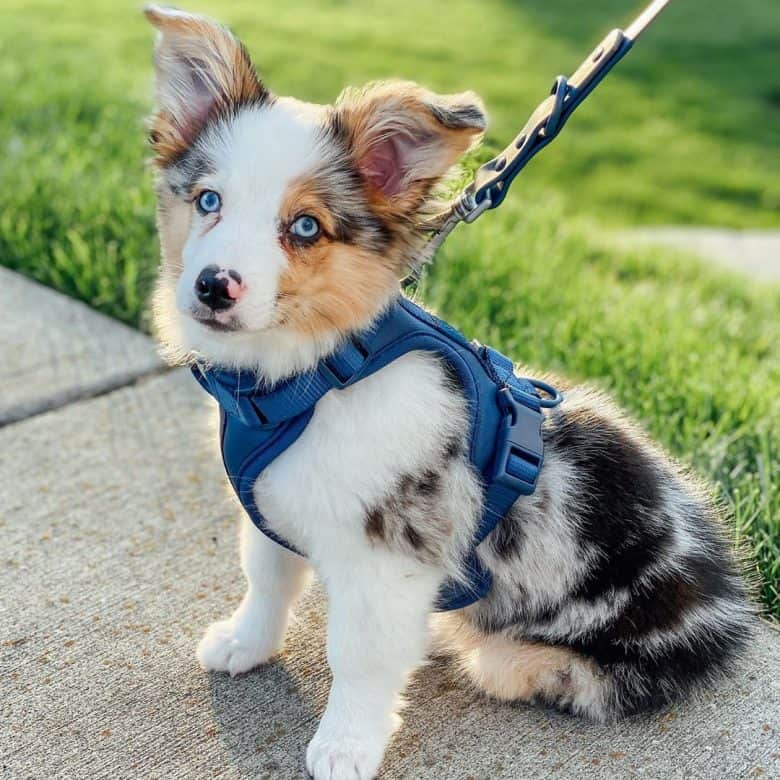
(613, 587)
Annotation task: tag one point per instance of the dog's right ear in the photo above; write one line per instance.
(404, 138)
(202, 71)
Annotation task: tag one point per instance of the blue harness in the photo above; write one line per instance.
(505, 437)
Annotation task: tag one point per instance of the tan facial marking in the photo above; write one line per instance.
(401, 140)
(328, 285)
(332, 286)
(300, 199)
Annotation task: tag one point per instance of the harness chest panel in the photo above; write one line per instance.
(505, 439)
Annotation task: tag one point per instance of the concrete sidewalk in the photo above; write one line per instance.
(754, 253)
(120, 546)
(56, 350)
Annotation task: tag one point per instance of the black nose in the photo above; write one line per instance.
(212, 289)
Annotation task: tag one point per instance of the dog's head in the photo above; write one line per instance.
(285, 225)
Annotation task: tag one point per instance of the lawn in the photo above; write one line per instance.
(687, 130)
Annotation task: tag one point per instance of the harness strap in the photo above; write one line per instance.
(241, 395)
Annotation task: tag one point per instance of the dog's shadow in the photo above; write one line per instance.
(264, 719)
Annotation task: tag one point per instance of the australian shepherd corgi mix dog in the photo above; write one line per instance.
(285, 228)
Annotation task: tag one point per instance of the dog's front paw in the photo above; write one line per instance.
(228, 646)
(331, 758)
(341, 750)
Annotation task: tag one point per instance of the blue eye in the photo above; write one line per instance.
(209, 202)
(305, 227)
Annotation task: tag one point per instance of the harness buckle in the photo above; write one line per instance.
(519, 447)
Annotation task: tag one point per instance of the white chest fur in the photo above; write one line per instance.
(356, 447)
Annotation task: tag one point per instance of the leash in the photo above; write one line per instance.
(492, 181)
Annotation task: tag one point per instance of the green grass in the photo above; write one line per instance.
(685, 131)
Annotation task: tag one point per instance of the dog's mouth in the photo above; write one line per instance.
(210, 320)
(222, 327)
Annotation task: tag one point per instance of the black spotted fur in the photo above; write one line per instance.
(618, 557)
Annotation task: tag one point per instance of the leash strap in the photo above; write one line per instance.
(492, 180)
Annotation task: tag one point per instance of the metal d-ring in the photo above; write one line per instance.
(555, 395)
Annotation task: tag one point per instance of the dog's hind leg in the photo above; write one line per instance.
(515, 670)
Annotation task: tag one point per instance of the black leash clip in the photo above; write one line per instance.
(548, 119)
(491, 181)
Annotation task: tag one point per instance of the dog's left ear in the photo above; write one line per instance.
(202, 69)
(404, 138)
